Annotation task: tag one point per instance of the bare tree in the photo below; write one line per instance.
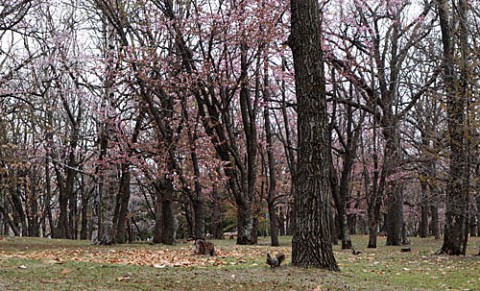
(311, 244)
(456, 79)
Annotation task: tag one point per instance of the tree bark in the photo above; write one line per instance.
(423, 230)
(216, 223)
(122, 201)
(311, 244)
(456, 86)
(199, 218)
(272, 179)
(164, 229)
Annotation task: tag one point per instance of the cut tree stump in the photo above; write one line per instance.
(405, 249)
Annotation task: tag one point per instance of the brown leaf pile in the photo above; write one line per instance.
(146, 256)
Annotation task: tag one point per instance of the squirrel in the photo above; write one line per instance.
(355, 252)
(276, 261)
(204, 248)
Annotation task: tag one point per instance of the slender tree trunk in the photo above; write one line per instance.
(373, 216)
(32, 208)
(435, 223)
(108, 191)
(84, 220)
(124, 198)
(188, 209)
(424, 209)
(61, 229)
(19, 212)
(477, 201)
(9, 222)
(272, 179)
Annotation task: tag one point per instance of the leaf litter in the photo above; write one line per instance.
(182, 257)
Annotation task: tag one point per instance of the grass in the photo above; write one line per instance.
(45, 264)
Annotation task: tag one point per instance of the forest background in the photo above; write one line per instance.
(125, 120)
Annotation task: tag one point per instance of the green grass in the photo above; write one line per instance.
(43, 264)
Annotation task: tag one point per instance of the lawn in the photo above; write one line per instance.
(47, 264)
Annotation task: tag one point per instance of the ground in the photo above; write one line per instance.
(48, 264)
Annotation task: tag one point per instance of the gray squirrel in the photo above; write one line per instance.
(275, 261)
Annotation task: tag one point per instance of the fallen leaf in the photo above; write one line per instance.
(123, 278)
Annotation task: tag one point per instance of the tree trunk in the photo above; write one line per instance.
(122, 201)
(61, 229)
(394, 219)
(108, 191)
(216, 223)
(373, 216)
(32, 208)
(477, 202)
(244, 223)
(47, 210)
(435, 224)
(272, 179)
(19, 212)
(165, 226)
(424, 210)
(311, 244)
(84, 220)
(199, 217)
(456, 86)
(392, 187)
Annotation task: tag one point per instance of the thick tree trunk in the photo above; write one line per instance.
(311, 244)
(456, 86)
(244, 223)
(199, 217)
(394, 219)
(165, 226)
(392, 187)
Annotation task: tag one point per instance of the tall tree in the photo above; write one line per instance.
(453, 25)
(311, 244)
(382, 38)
